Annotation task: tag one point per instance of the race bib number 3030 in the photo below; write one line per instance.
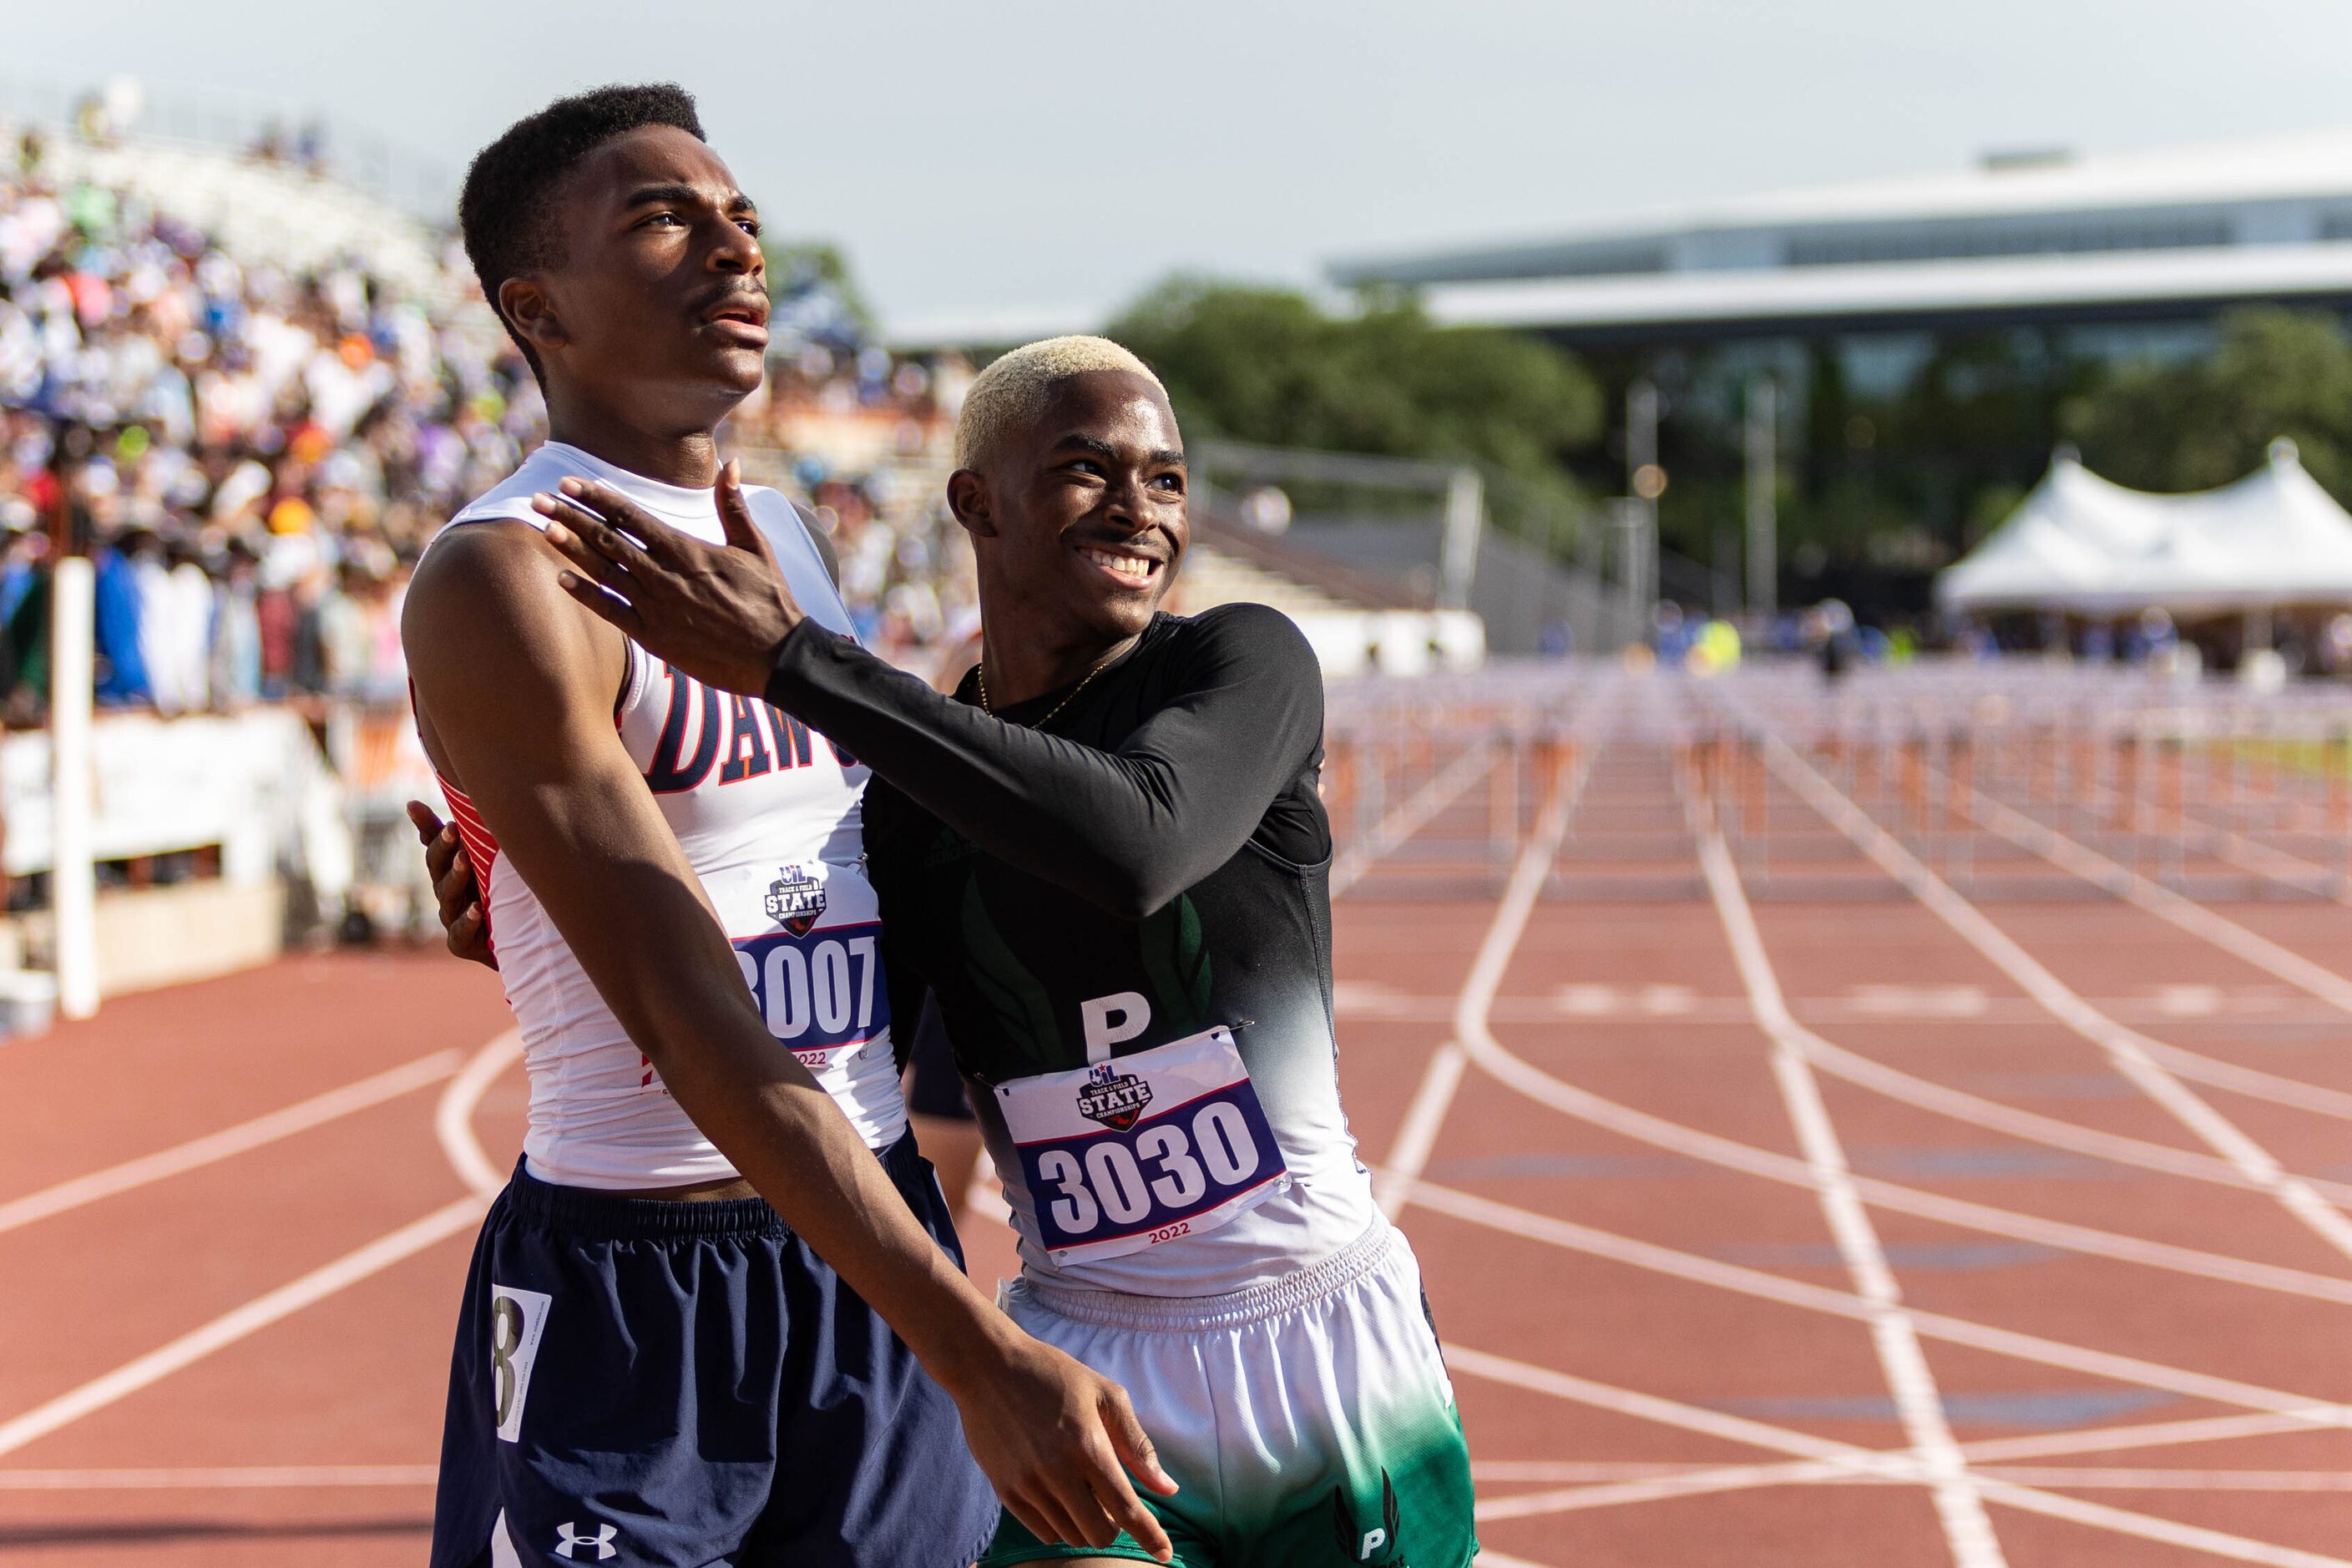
(1140, 1150)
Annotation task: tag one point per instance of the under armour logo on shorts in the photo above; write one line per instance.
(567, 1537)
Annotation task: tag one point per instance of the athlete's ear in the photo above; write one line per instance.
(526, 303)
(967, 498)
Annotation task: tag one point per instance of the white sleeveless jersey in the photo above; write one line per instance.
(769, 816)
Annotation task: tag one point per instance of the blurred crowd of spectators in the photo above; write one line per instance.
(865, 436)
(255, 457)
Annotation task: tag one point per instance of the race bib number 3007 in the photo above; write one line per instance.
(821, 992)
(1142, 1149)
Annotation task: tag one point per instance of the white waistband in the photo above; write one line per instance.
(1181, 1314)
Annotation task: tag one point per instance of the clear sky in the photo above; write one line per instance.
(1031, 153)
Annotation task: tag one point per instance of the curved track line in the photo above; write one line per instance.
(1757, 1434)
(1893, 1082)
(268, 1478)
(1703, 1480)
(1696, 1481)
(453, 1118)
(1527, 1079)
(2251, 1082)
(2137, 1436)
(288, 1298)
(229, 1142)
(2303, 1411)
(2080, 860)
(1417, 1135)
(2292, 1193)
(2116, 1148)
(1919, 1402)
(2247, 854)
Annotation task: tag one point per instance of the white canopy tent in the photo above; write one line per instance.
(2079, 544)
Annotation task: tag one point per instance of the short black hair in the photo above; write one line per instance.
(506, 211)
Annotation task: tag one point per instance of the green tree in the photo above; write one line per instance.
(1270, 366)
(796, 265)
(2205, 422)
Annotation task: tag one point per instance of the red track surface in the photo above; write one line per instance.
(1668, 1347)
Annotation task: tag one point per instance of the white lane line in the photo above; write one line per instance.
(452, 1119)
(2300, 1410)
(1846, 1456)
(2267, 860)
(1394, 1184)
(1409, 818)
(2098, 1477)
(1701, 1480)
(2034, 1127)
(2121, 1046)
(2132, 1436)
(1580, 1471)
(2325, 983)
(1418, 1134)
(1918, 1404)
(2250, 855)
(2094, 1478)
(222, 1478)
(2080, 860)
(229, 1142)
(239, 1323)
(1527, 1079)
(1695, 1482)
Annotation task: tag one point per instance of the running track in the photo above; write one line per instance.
(1781, 1203)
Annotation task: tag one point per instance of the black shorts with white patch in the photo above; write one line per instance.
(640, 1382)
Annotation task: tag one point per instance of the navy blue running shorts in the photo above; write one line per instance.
(677, 1385)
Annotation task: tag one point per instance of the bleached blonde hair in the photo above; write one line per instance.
(1013, 390)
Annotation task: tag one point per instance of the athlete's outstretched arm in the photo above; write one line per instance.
(514, 689)
(1127, 829)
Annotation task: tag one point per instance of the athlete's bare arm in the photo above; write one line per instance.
(514, 685)
(452, 875)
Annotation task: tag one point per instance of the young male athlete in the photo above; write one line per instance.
(654, 1366)
(1107, 858)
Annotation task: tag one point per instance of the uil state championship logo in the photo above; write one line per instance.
(795, 900)
(1113, 1098)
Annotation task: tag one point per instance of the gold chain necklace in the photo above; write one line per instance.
(1049, 718)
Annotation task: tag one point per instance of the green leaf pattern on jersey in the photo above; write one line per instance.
(1176, 960)
(1022, 1008)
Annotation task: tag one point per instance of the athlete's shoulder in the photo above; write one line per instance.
(494, 572)
(511, 497)
(1259, 635)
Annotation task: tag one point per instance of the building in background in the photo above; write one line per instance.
(1924, 334)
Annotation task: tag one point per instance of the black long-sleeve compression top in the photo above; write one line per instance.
(1152, 867)
(1168, 765)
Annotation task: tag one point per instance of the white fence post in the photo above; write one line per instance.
(73, 609)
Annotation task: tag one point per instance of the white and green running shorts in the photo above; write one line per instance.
(1307, 1421)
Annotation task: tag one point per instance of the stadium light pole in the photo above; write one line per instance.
(1763, 519)
(1645, 481)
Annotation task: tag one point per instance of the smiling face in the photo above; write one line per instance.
(1078, 523)
(659, 307)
